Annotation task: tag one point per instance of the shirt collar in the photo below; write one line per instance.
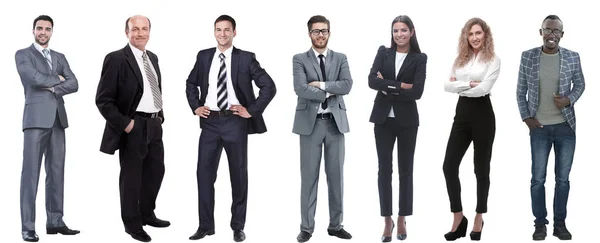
(317, 53)
(227, 52)
(137, 52)
(39, 47)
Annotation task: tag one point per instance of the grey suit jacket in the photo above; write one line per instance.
(339, 83)
(41, 104)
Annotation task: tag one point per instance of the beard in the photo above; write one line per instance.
(38, 40)
(316, 44)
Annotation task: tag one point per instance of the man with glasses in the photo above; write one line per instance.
(321, 79)
(546, 99)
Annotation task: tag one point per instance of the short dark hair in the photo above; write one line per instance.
(43, 17)
(317, 19)
(552, 17)
(226, 17)
(127, 23)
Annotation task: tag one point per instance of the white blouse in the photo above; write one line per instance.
(474, 70)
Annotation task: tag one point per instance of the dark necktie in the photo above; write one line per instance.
(222, 85)
(322, 64)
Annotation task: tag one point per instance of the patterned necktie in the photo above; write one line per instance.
(222, 85)
(322, 64)
(156, 94)
(47, 57)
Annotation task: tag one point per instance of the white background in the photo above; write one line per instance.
(85, 31)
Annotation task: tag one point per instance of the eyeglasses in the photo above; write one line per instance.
(555, 31)
(316, 32)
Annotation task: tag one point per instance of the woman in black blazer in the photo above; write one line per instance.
(398, 75)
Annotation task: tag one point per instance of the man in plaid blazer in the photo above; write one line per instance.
(546, 99)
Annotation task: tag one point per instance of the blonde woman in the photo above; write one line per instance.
(473, 75)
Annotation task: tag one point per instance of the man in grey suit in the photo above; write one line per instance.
(321, 79)
(46, 78)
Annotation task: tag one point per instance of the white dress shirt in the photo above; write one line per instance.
(322, 82)
(213, 80)
(147, 102)
(474, 70)
(399, 60)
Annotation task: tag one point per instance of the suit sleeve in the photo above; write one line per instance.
(522, 88)
(70, 85)
(578, 81)
(106, 95)
(191, 86)
(30, 75)
(264, 82)
(377, 83)
(344, 84)
(301, 87)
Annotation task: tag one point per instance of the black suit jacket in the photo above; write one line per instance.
(244, 69)
(119, 93)
(403, 101)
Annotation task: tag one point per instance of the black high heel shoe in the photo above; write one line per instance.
(388, 238)
(461, 230)
(477, 235)
(402, 236)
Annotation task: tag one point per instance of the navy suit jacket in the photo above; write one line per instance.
(244, 69)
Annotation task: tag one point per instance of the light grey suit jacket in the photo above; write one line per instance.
(339, 83)
(41, 104)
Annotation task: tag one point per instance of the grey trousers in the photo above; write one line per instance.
(325, 132)
(50, 143)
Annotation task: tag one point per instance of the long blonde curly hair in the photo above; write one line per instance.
(465, 52)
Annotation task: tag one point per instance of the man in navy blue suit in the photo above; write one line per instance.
(228, 111)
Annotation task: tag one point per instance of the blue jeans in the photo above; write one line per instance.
(563, 138)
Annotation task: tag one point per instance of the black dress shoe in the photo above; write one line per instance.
(341, 233)
(200, 233)
(540, 232)
(140, 235)
(30, 236)
(303, 236)
(156, 222)
(61, 230)
(239, 235)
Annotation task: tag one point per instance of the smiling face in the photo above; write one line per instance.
(42, 32)
(551, 32)
(138, 31)
(224, 34)
(402, 34)
(319, 35)
(476, 37)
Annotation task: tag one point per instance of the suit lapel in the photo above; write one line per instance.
(311, 56)
(54, 58)
(563, 82)
(157, 69)
(408, 61)
(133, 64)
(535, 73)
(207, 64)
(40, 57)
(235, 60)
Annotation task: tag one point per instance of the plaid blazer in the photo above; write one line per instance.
(529, 79)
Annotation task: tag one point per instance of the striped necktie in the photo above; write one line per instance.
(46, 53)
(156, 94)
(222, 85)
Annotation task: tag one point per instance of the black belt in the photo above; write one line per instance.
(148, 115)
(325, 116)
(221, 113)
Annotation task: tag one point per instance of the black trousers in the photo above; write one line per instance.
(229, 132)
(385, 137)
(142, 170)
(474, 122)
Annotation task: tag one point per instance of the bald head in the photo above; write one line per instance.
(137, 29)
